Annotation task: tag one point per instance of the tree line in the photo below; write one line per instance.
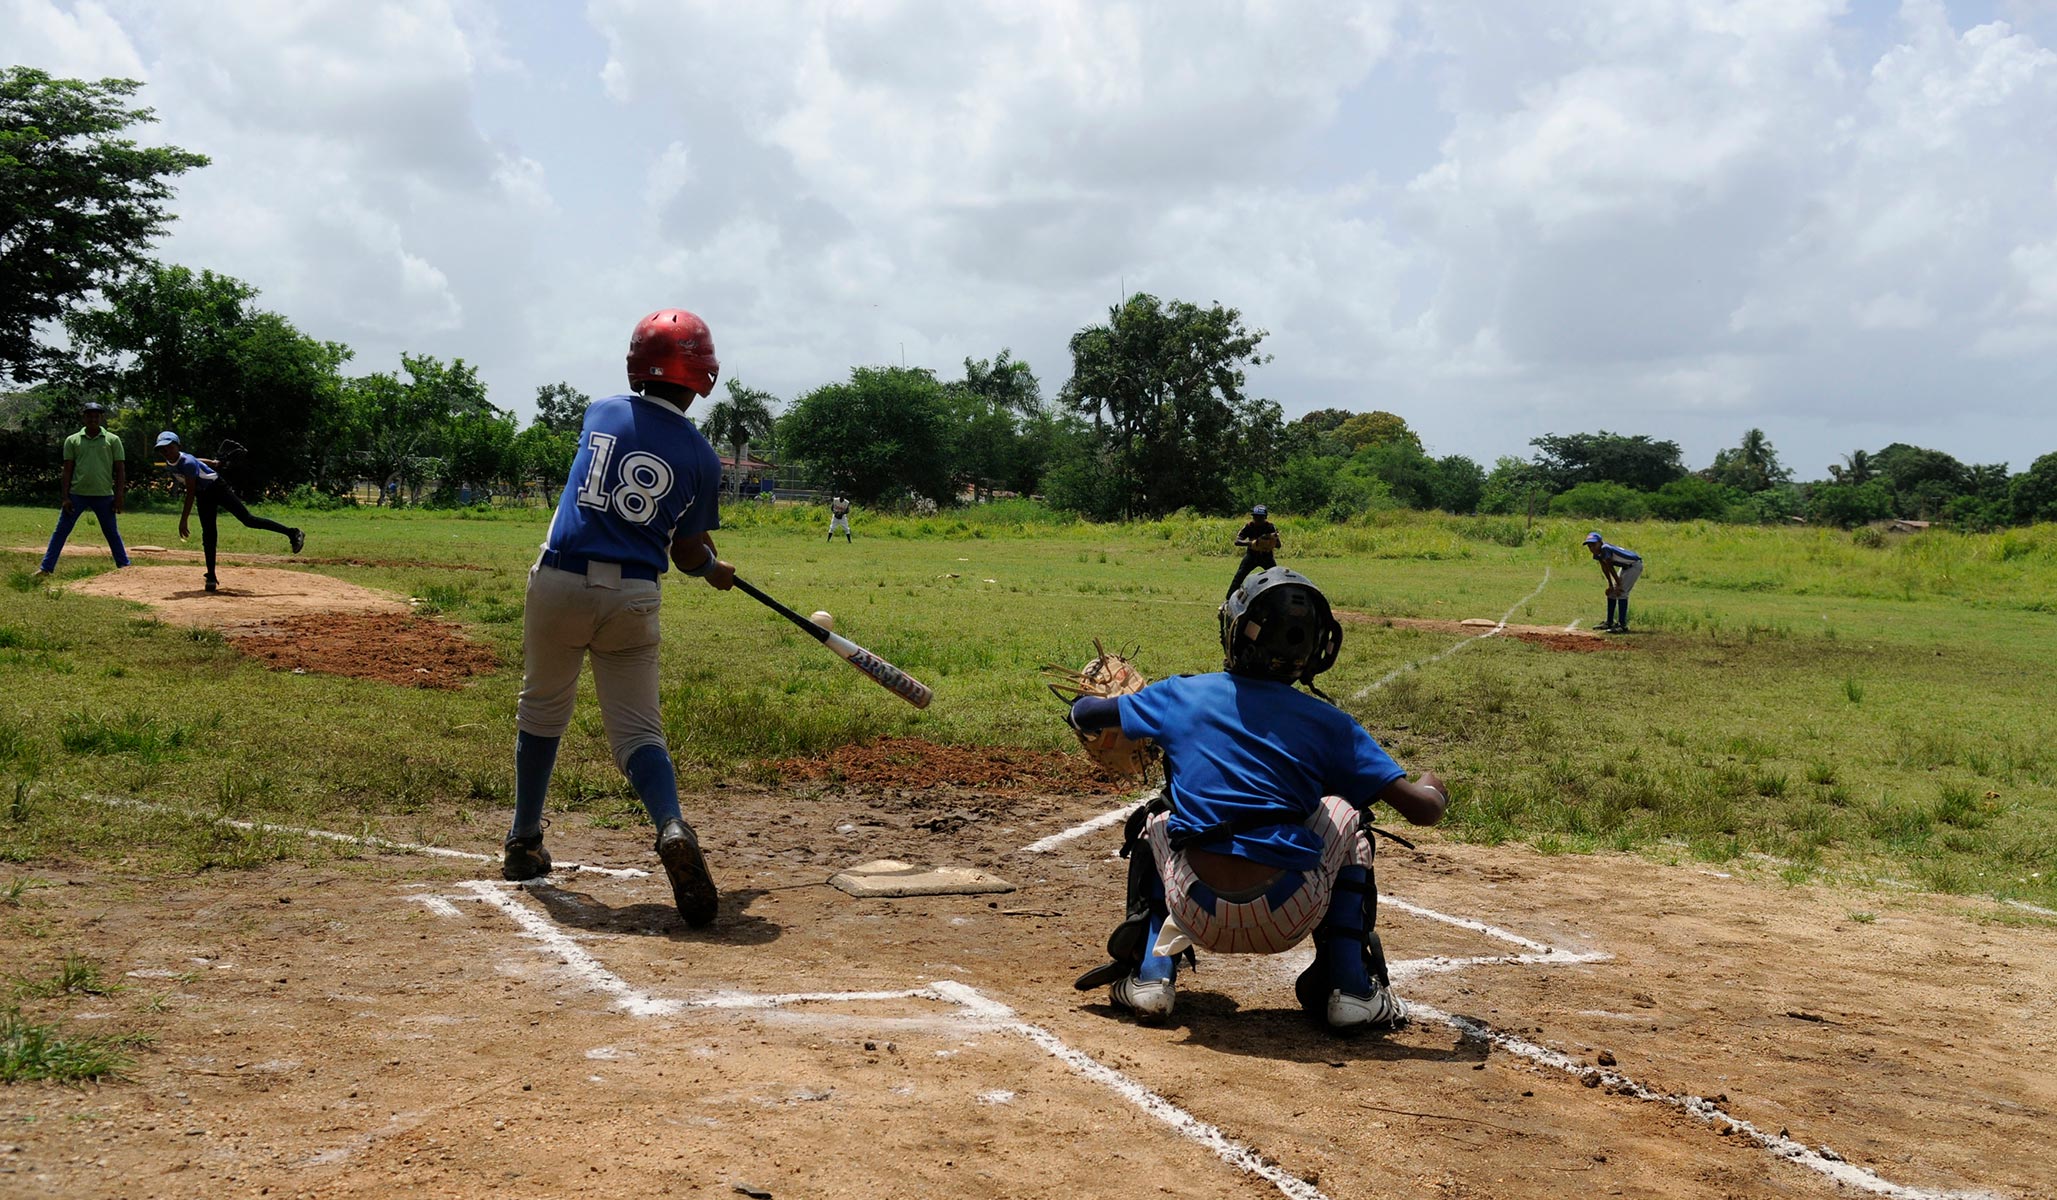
(1154, 417)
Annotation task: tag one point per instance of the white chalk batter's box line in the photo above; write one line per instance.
(974, 1009)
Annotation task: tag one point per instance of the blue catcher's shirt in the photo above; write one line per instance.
(198, 471)
(1237, 749)
(1616, 556)
(643, 474)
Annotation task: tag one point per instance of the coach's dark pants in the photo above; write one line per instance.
(220, 495)
(102, 508)
(1252, 561)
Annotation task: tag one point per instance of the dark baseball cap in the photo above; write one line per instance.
(93, 406)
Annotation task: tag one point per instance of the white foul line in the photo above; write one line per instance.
(1115, 817)
(1045, 845)
(1822, 1161)
(973, 1005)
(371, 841)
(991, 1013)
(1440, 655)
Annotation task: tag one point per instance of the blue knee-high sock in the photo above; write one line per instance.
(1623, 620)
(650, 773)
(534, 758)
(1342, 936)
(1156, 966)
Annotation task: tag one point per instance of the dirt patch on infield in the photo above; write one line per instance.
(900, 762)
(246, 596)
(391, 648)
(373, 1028)
(1552, 637)
(304, 621)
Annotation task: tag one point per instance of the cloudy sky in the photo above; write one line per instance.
(1500, 218)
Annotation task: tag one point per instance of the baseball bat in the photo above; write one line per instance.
(883, 673)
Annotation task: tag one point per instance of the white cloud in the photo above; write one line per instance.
(1679, 217)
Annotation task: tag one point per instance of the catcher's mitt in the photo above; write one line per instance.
(1105, 675)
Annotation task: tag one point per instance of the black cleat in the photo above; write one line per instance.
(692, 888)
(524, 858)
(212, 583)
(298, 537)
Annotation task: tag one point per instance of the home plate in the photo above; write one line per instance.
(890, 877)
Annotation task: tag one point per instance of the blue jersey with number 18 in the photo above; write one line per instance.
(643, 474)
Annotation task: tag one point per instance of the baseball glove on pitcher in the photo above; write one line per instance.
(1106, 675)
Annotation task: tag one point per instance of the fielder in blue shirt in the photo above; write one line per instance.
(1622, 568)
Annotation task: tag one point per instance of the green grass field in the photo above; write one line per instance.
(1794, 700)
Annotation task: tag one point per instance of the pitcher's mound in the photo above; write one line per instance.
(299, 621)
(247, 594)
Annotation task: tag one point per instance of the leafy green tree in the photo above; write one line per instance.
(881, 434)
(543, 456)
(1691, 498)
(1855, 468)
(1987, 500)
(399, 431)
(1567, 460)
(1163, 382)
(1752, 466)
(1304, 485)
(1924, 481)
(478, 453)
(1459, 484)
(745, 416)
(80, 202)
(561, 408)
(1513, 485)
(1602, 501)
(1847, 505)
(1377, 428)
(1408, 474)
(2033, 493)
(989, 411)
(193, 353)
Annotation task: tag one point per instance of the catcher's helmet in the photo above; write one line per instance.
(672, 345)
(1277, 625)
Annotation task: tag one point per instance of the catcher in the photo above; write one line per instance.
(1259, 837)
(1259, 540)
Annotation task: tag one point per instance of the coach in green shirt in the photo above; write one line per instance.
(95, 477)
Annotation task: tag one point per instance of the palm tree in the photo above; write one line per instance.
(733, 422)
(1855, 468)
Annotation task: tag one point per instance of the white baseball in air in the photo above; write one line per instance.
(822, 618)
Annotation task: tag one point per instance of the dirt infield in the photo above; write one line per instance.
(1576, 641)
(407, 1024)
(915, 763)
(247, 595)
(401, 650)
(304, 621)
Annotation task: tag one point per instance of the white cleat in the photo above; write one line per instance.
(1150, 999)
(1380, 1010)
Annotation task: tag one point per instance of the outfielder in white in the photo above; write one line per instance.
(641, 497)
(1259, 839)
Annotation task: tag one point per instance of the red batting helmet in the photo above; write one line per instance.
(674, 346)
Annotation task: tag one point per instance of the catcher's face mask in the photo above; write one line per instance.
(1278, 626)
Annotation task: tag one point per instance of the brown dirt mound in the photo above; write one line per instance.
(247, 594)
(403, 650)
(1576, 641)
(915, 763)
